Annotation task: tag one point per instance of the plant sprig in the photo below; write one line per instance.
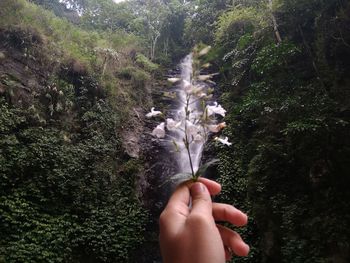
(196, 124)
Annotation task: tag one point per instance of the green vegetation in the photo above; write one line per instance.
(60, 197)
(76, 43)
(66, 187)
(145, 63)
(138, 76)
(289, 123)
(71, 78)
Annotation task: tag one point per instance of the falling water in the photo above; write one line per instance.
(194, 107)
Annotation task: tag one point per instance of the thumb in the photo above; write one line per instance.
(201, 200)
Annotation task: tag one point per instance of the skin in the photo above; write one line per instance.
(190, 235)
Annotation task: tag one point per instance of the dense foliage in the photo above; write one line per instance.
(60, 198)
(289, 120)
(67, 189)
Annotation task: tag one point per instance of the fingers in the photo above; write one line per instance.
(181, 196)
(213, 187)
(175, 213)
(228, 213)
(233, 241)
(228, 255)
(177, 209)
(201, 200)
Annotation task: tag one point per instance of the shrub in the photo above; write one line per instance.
(138, 76)
(145, 63)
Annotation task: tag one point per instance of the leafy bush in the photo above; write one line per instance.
(237, 22)
(274, 57)
(145, 63)
(138, 76)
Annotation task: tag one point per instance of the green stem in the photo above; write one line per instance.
(187, 144)
(189, 157)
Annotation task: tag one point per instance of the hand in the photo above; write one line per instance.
(191, 234)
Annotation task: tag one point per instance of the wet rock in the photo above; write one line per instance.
(131, 134)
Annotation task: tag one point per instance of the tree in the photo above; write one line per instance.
(107, 15)
(151, 18)
(201, 20)
(171, 42)
(274, 22)
(60, 9)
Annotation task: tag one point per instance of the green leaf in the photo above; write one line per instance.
(178, 178)
(204, 167)
(181, 177)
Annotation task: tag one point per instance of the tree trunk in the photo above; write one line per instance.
(166, 46)
(274, 23)
(104, 65)
(153, 45)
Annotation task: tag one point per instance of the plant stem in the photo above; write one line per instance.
(187, 144)
(189, 157)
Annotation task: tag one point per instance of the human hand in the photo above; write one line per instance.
(190, 235)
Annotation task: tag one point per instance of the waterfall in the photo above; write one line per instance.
(196, 149)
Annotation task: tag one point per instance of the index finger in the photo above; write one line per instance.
(176, 211)
(182, 192)
(213, 187)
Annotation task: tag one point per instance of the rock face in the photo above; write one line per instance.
(154, 185)
(154, 188)
(28, 68)
(132, 133)
(22, 73)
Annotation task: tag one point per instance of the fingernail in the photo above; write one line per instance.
(245, 218)
(247, 248)
(197, 188)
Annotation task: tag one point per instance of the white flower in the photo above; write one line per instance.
(159, 131)
(216, 109)
(216, 128)
(172, 125)
(187, 86)
(191, 129)
(173, 80)
(223, 141)
(153, 113)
